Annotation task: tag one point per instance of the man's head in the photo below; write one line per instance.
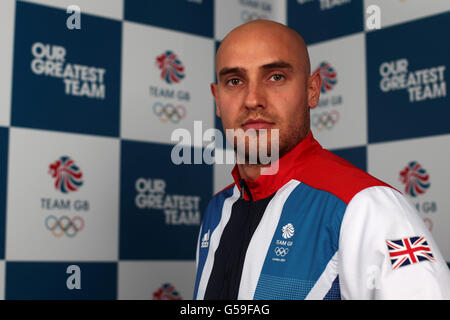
(264, 82)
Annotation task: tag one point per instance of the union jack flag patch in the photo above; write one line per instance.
(408, 251)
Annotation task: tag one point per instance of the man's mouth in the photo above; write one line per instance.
(257, 124)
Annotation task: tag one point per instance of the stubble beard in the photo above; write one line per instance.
(285, 141)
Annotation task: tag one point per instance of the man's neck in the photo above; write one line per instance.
(250, 171)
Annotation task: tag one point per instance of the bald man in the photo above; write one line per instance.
(318, 228)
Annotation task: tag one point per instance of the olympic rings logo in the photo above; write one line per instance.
(280, 251)
(169, 112)
(64, 225)
(325, 120)
(247, 16)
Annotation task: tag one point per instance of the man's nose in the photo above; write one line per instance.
(255, 97)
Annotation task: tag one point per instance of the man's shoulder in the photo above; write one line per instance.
(228, 190)
(216, 204)
(219, 197)
(328, 172)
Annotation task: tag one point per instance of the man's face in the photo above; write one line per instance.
(263, 84)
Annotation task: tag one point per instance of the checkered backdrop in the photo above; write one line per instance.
(91, 205)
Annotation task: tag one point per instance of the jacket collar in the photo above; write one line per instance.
(266, 185)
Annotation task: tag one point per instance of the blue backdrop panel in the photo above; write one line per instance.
(48, 280)
(4, 141)
(407, 68)
(48, 90)
(181, 15)
(316, 22)
(174, 224)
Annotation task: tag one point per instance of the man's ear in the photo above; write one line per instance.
(214, 89)
(314, 85)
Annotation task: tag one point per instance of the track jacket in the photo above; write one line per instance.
(319, 228)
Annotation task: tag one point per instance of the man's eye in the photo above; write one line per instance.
(277, 77)
(234, 82)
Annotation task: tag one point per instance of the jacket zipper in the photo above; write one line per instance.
(245, 188)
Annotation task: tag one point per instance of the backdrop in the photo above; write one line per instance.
(93, 206)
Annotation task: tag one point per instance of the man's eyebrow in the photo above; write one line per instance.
(278, 65)
(225, 71)
(272, 65)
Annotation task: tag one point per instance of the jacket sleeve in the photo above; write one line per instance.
(373, 217)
